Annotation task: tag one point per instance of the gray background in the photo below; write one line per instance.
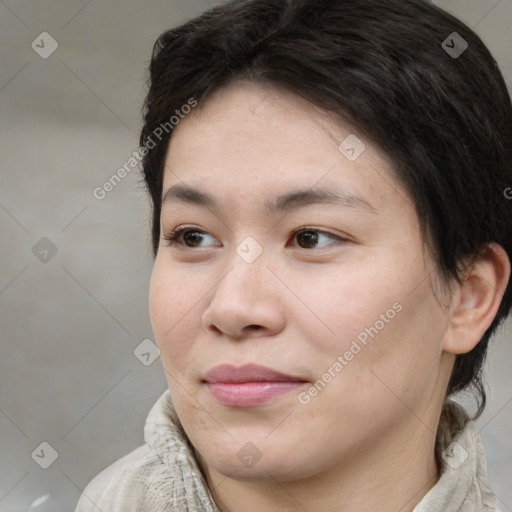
(69, 325)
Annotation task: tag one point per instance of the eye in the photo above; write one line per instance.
(187, 237)
(308, 238)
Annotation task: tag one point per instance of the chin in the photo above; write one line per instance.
(266, 465)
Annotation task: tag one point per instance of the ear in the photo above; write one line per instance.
(476, 301)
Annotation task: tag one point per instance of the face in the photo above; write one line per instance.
(333, 297)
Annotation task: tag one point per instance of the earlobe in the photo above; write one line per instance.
(477, 299)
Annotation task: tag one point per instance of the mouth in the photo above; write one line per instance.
(249, 385)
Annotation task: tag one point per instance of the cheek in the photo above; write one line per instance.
(381, 315)
(171, 311)
(340, 305)
(398, 364)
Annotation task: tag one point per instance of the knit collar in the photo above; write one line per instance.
(462, 487)
(166, 438)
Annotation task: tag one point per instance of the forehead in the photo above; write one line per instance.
(252, 139)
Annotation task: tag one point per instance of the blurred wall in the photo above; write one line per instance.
(74, 270)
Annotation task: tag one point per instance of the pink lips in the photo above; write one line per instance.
(248, 385)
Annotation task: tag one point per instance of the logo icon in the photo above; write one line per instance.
(44, 250)
(352, 147)
(44, 45)
(454, 45)
(249, 249)
(45, 455)
(455, 455)
(146, 352)
(249, 455)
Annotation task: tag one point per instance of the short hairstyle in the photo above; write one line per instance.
(443, 118)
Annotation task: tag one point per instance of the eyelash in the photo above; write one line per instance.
(173, 238)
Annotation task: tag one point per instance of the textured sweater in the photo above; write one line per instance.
(163, 475)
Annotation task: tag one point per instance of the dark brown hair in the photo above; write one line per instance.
(384, 66)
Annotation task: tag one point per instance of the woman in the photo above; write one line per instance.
(331, 229)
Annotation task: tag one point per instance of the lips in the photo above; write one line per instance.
(247, 373)
(248, 385)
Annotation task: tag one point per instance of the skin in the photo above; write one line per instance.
(366, 440)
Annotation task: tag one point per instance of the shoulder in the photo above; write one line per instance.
(124, 484)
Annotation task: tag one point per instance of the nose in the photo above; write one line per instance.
(246, 302)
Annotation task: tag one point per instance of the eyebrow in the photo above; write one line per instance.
(280, 204)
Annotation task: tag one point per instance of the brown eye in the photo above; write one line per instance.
(187, 238)
(310, 238)
(307, 239)
(193, 238)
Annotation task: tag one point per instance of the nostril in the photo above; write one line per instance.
(253, 329)
(216, 330)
